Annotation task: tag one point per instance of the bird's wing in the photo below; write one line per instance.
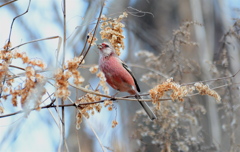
(130, 72)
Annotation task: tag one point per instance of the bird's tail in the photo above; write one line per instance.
(147, 109)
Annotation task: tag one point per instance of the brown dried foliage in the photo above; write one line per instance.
(32, 78)
(113, 32)
(172, 130)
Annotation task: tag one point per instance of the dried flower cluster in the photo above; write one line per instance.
(171, 62)
(182, 35)
(234, 30)
(93, 69)
(114, 123)
(6, 59)
(1, 110)
(62, 83)
(102, 82)
(84, 110)
(109, 104)
(205, 90)
(72, 66)
(178, 91)
(34, 62)
(173, 127)
(148, 55)
(32, 82)
(91, 40)
(62, 77)
(112, 31)
(32, 79)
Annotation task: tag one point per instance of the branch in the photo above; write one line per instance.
(63, 61)
(94, 33)
(94, 132)
(232, 76)
(51, 105)
(113, 98)
(37, 40)
(150, 69)
(44, 107)
(10, 33)
(7, 3)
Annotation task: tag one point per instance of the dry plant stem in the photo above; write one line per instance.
(10, 33)
(94, 33)
(78, 140)
(20, 74)
(52, 101)
(44, 107)
(51, 105)
(63, 61)
(20, 68)
(110, 97)
(7, 3)
(43, 39)
(232, 76)
(64, 32)
(150, 69)
(138, 12)
(95, 135)
(225, 85)
(37, 40)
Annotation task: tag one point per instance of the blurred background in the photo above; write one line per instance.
(188, 40)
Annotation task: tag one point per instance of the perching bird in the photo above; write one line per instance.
(118, 75)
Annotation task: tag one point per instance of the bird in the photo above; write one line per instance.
(118, 75)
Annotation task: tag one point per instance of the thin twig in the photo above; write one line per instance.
(17, 67)
(113, 98)
(138, 12)
(95, 135)
(86, 103)
(94, 33)
(63, 61)
(10, 33)
(37, 40)
(7, 3)
(43, 107)
(232, 76)
(85, 44)
(150, 69)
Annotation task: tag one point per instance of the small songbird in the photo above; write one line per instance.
(118, 75)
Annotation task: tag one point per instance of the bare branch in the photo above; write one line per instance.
(222, 78)
(37, 40)
(94, 33)
(7, 3)
(10, 33)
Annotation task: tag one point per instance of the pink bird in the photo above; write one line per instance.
(118, 75)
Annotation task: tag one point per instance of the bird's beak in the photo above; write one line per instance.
(99, 46)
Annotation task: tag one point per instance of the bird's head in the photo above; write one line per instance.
(106, 49)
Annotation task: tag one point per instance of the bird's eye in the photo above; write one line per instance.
(106, 45)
